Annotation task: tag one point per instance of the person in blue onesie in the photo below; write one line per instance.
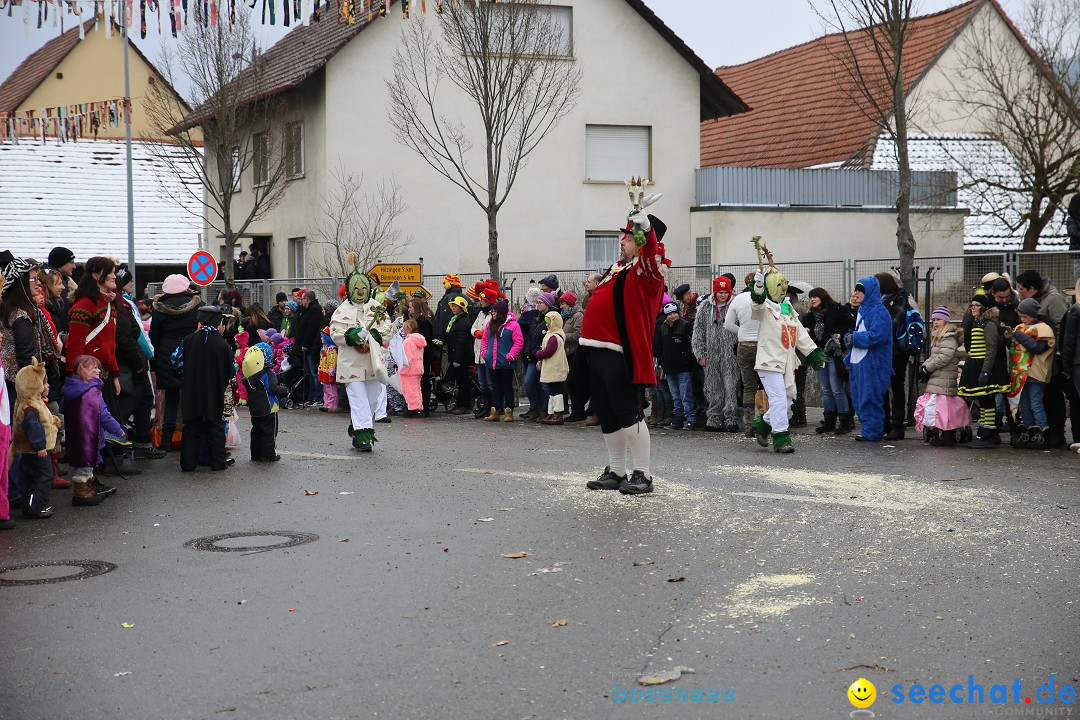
(869, 360)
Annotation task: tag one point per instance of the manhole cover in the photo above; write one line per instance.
(291, 539)
(86, 569)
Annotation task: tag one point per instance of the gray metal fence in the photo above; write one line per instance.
(943, 280)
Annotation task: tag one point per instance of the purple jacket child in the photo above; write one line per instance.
(86, 420)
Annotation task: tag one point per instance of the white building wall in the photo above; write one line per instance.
(543, 224)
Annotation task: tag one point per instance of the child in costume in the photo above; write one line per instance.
(263, 392)
(869, 358)
(554, 367)
(328, 371)
(780, 334)
(1035, 362)
(361, 328)
(414, 371)
(86, 420)
(501, 344)
(986, 371)
(939, 412)
(714, 347)
(34, 431)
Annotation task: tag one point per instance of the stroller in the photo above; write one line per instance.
(293, 379)
(444, 390)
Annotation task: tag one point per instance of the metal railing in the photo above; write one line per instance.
(946, 280)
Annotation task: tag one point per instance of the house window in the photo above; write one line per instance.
(550, 32)
(236, 168)
(260, 159)
(703, 251)
(294, 149)
(601, 250)
(617, 152)
(297, 257)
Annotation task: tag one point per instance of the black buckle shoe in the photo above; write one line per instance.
(37, 513)
(607, 481)
(636, 484)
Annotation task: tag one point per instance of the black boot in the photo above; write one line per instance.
(1037, 441)
(897, 433)
(798, 416)
(166, 439)
(1019, 437)
(483, 411)
(984, 438)
(828, 424)
(847, 424)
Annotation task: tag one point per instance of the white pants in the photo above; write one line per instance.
(364, 402)
(380, 410)
(779, 403)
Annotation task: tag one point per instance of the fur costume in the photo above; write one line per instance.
(869, 360)
(780, 335)
(360, 327)
(29, 384)
(716, 343)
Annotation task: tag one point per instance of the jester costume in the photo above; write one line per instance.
(616, 339)
(360, 328)
(780, 334)
(263, 392)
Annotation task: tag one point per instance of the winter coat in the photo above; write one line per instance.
(1053, 304)
(554, 366)
(129, 355)
(672, 347)
(479, 324)
(532, 331)
(779, 337)
(898, 304)
(263, 391)
(86, 419)
(307, 326)
(943, 362)
(1072, 227)
(414, 353)
(711, 338)
(427, 331)
(870, 359)
(1070, 339)
(501, 349)
(837, 320)
(208, 368)
(172, 318)
(355, 364)
(458, 340)
(276, 315)
(85, 338)
(572, 329)
(443, 312)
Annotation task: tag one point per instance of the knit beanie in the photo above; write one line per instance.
(1029, 306)
(532, 294)
(452, 280)
(549, 299)
(720, 283)
(551, 281)
(292, 305)
(987, 301)
(569, 298)
(941, 313)
(501, 308)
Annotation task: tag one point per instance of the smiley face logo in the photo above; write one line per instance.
(862, 693)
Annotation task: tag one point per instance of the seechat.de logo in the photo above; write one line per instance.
(862, 695)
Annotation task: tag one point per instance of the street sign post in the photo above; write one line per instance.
(409, 277)
(202, 268)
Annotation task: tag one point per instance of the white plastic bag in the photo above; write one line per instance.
(233, 439)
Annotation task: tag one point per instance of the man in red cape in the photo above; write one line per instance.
(616, 335)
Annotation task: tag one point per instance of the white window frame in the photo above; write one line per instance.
(598, 257)
(294, 150)
(615, 153)
(564, 14)
(260, 159)
(298, 257)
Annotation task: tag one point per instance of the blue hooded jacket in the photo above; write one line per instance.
(869, 359)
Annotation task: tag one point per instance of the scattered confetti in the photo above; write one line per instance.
(676, 579)
(500, 643)
(485, 519)
(561, 622)
(665, 676)
(311, 492)
(127, 626)
(515, 556)
(122, 674)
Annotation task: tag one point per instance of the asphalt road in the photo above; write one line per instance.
(797, 575)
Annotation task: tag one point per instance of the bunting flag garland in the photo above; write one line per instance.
(65, 123)
(208, 13)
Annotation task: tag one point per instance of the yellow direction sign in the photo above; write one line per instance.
(404, 273)
(411, 289)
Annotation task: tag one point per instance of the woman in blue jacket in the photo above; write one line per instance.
(870, 360)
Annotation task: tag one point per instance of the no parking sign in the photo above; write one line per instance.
(202, 268)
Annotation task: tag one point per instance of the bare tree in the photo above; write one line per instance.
(873, 34)
(1027, 99)
(512, 61)
(353, 221)
(232, 131)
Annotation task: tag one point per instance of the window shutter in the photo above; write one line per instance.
(617, 152)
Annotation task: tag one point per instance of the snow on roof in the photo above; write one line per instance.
(75, 194)
(993, 211)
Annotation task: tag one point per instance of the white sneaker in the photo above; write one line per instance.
(1075, 447)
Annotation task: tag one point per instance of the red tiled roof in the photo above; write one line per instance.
(36, 67)
(307, 49)
(804, 113)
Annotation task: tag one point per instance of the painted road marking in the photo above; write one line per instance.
(317, 456)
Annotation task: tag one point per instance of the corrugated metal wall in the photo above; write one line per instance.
(829, 188)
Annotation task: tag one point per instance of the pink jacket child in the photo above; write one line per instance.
(411, 374)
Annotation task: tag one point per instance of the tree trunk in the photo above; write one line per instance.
(493, 245)
(230, 247)
(1035, 225)
(905, 239)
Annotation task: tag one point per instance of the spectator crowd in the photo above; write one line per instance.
(94, 379)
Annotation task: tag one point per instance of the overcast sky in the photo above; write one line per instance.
(722, 32)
